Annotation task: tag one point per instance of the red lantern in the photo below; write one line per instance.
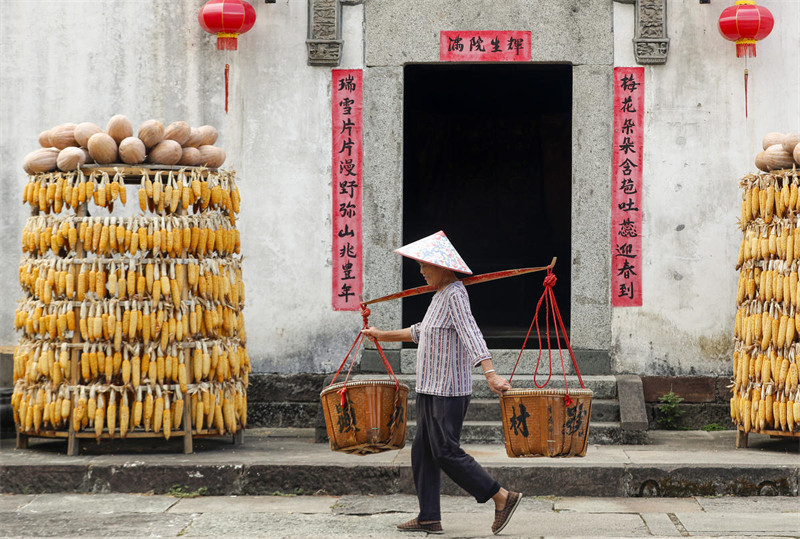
(227, 19)
(745, 23)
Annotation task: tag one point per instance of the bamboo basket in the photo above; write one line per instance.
(538, 423)
(370, 416)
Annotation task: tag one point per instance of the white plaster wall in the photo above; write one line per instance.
(697, 146)
(87, 60)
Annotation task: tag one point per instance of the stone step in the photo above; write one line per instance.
(590, 362)
(491, 432)
(489, 410)
(602, 386)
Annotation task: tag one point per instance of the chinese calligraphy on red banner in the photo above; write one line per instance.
(347, 173)
(485, 46)
(626, 192)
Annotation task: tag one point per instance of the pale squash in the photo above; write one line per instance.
(41, 160)
(119, 127)
(211, 156)
(796, 154)
(178, 131)
(761, 163)
(771, 139)
(208, 135)
(70, 158)
(790, 141)
(62, 136)
(84, 130)
(195, 138)
(190, 157)
(102, 148)
(44, 139)
(151, 133)
(132, 150)
(777, 158)
(166, 152)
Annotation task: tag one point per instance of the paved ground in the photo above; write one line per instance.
(136, 515)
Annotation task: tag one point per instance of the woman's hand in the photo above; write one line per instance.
(497, 383)
(373, 334)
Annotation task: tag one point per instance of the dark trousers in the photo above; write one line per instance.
(437, 447)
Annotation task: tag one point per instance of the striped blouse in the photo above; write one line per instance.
(450, 344)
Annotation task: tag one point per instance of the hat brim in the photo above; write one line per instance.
(457, 270)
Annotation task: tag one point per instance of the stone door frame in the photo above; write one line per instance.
(400, 33)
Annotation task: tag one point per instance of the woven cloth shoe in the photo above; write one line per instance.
(415, 525)
(502, 517)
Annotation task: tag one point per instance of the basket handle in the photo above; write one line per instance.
(551, 308)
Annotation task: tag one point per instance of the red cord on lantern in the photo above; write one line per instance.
(227, 70)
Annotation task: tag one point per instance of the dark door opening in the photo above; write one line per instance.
(488, 159)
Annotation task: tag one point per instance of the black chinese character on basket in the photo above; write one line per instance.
(397, 416)
(346, 420)
(575, 417)
(519, 423)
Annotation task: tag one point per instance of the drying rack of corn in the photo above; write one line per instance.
(131, 327)
(766, 396)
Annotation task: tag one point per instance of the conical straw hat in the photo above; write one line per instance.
(437, 250)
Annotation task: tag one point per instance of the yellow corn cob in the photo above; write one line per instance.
(99, 416)
(158, 414)
(137, 409)
(782, 413)
(228, 414)
(791, 378)
(66, 405)
(197, 363)
(167, 418)
(199, 413)
(790, 418)
(796, 409)
(152, 370)
(111, 414)
(219, 422)
(781, 379)
(136, 373)
(746, 413)
(148, 410)
(177, 410)
(182, 375)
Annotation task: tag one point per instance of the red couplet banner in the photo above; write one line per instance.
(347, 129)
(485, 46)
(626, 192)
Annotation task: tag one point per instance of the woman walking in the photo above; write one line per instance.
(450, 346)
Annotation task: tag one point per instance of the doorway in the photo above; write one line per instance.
(487, 157)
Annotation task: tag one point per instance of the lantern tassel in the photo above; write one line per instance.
(228, 68)
(748, 49)
(227, 41)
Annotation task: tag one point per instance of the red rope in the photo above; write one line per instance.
(227, 70)
(550, 307)
(357, 343)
